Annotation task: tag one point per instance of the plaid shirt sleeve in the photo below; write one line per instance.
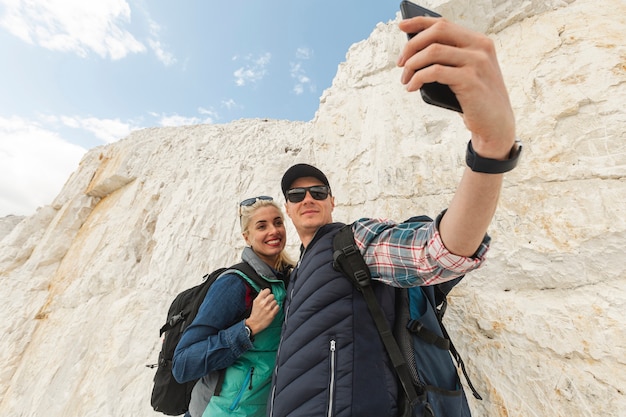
(411, 253)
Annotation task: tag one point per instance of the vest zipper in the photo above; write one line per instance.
(272, 400)
(247, 383)
(331, 387)
(286, 309)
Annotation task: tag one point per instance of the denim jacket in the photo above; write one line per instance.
(217, 339)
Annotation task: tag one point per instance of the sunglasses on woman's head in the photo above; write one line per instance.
(318, 192)
(250, 201)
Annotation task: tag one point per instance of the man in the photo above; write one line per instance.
(331, 360)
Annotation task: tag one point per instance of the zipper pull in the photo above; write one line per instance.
(251, 374)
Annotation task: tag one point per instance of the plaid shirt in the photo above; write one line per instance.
(411, 253)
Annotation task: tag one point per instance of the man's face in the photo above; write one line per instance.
(309, 214)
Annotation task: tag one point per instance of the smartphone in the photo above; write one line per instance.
(432, 93)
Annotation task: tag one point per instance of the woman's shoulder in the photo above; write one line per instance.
(229, 281)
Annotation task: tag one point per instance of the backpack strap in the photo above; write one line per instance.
(428, 336)
(438, 299)
(459, 361)
(347, 259)
(207, 281)
(436, 296)
(251, 274)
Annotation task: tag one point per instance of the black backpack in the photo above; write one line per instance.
(418, 347)
(168, 396)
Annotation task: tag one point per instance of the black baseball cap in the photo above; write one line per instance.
(299, 171)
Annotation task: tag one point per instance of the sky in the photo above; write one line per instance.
(78, 74)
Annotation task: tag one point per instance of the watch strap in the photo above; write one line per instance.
(492, 166)
(249, 332)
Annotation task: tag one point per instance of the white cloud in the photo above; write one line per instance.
(230, 104)
(34, 165)
(76, 26)
(178, 120)
(254, 69)
(302, 80)
(297, 72)
(107, 130)
(210, 115)
(162, 55)
(304, 53)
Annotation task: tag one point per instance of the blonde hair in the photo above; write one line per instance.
(245, 214)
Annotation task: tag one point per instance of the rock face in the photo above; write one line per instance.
(86, 281)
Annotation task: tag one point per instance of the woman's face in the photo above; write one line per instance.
(266, 233)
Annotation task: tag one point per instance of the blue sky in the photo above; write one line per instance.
(78, 74)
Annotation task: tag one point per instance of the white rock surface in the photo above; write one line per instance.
(8, 223)
(86, 281)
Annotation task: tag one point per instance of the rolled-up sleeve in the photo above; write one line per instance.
(411, 253)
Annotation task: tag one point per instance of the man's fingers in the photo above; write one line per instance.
(417, 24)
(434, 63)
(437, 31)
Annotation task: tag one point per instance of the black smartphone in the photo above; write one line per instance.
(432, 93)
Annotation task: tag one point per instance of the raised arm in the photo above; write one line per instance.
(466, 61)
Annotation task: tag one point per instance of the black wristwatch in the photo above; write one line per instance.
(492, 166)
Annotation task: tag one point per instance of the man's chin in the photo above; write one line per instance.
(311, 224)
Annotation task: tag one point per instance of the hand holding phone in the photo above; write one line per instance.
(432, 93)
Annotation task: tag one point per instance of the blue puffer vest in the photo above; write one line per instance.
(331, 361)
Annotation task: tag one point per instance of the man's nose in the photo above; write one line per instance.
(307, 196)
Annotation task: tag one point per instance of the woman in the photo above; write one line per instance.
(222, 337)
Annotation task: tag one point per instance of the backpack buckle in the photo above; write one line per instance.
(361, 278)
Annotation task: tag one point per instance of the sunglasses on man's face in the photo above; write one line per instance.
(318, 192)
(250, 201)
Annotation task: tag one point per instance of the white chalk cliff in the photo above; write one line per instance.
(86, 281)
